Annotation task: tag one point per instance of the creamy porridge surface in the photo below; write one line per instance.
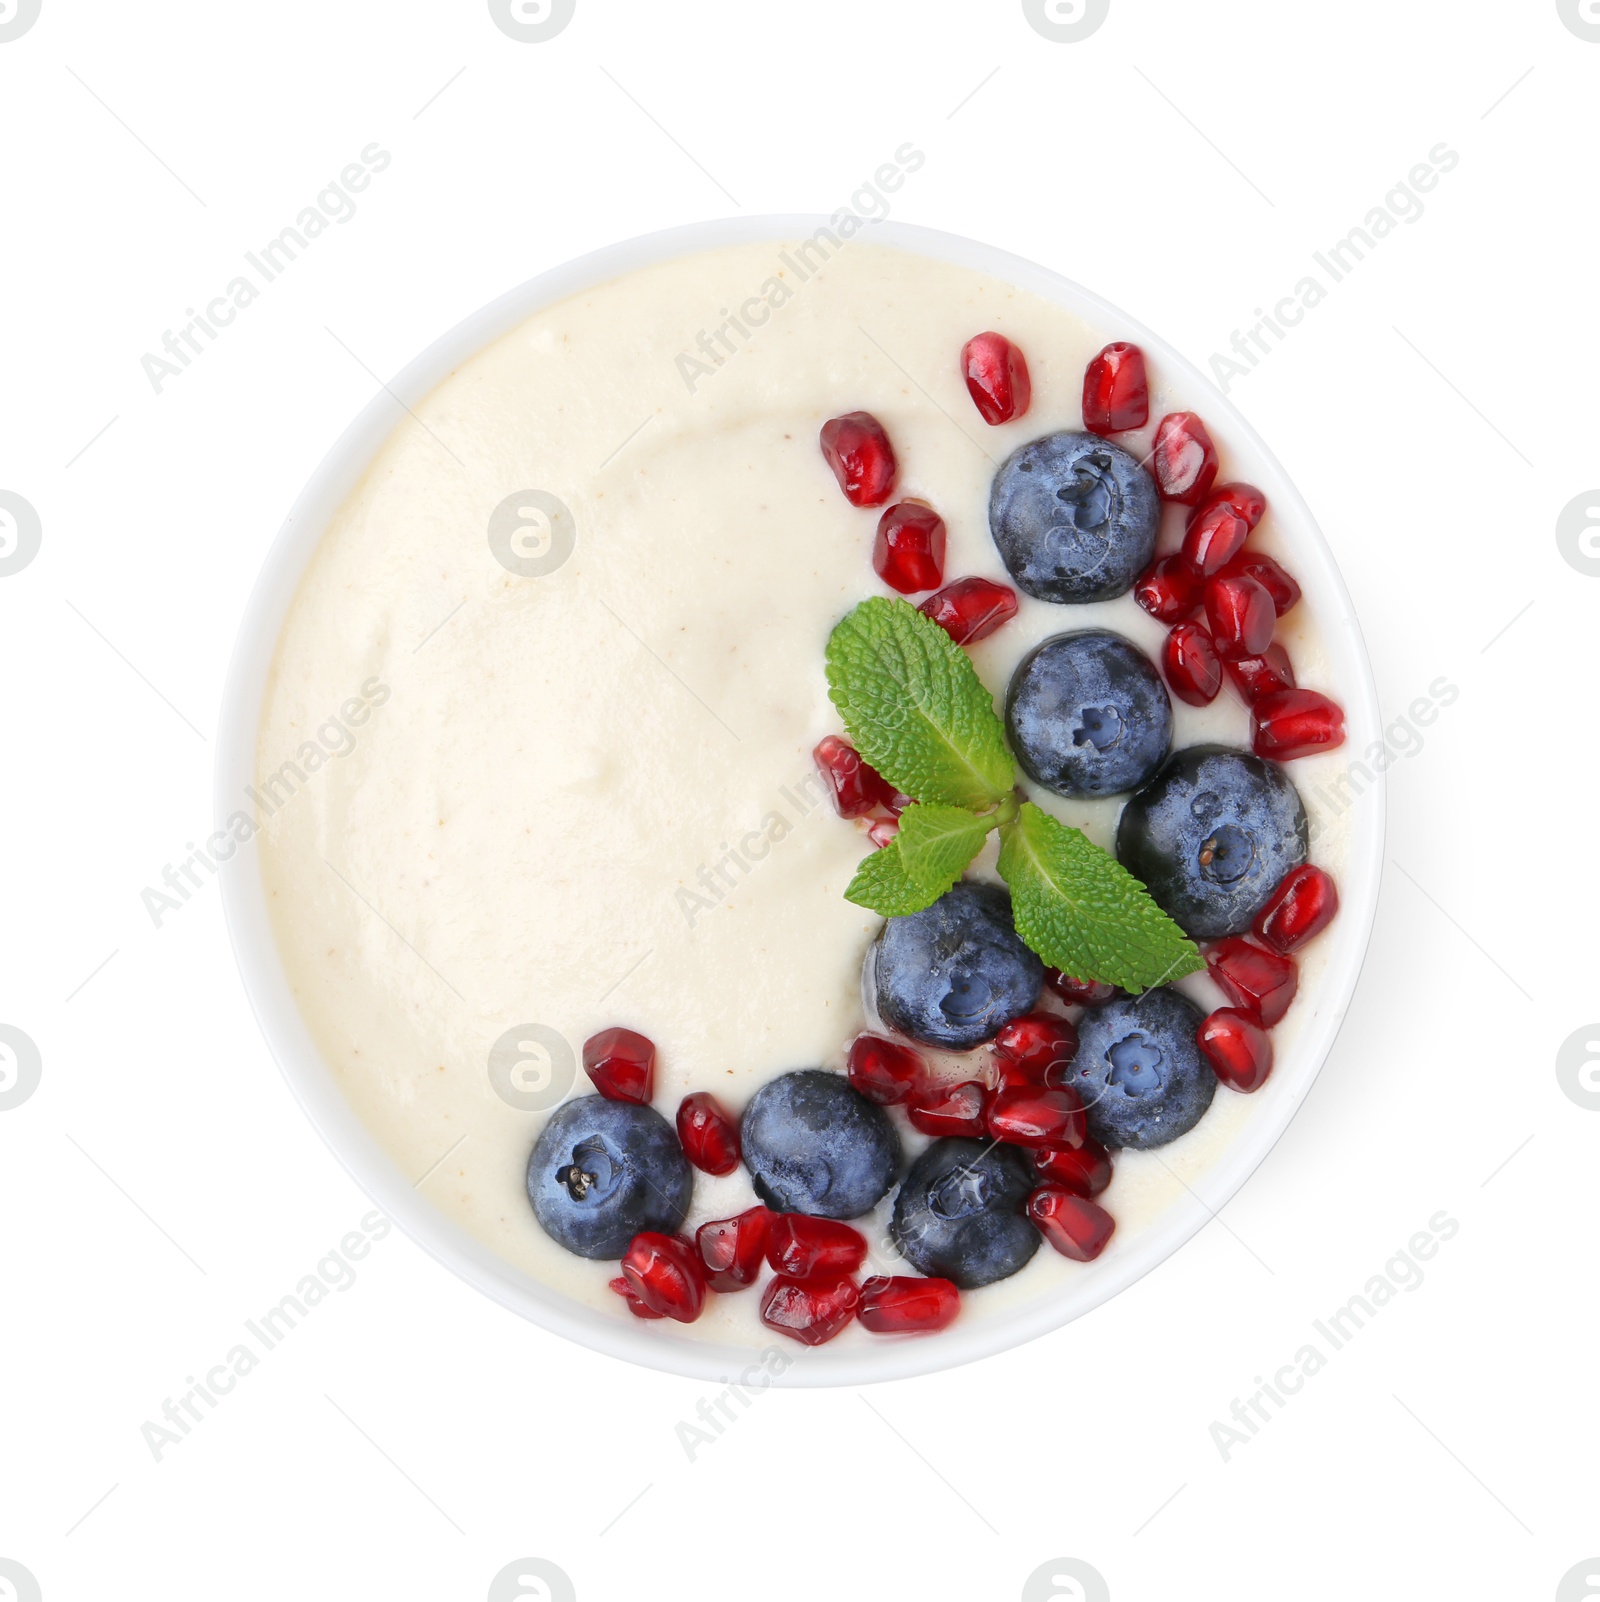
(586, 798)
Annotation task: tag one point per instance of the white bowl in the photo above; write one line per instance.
(668, 1348)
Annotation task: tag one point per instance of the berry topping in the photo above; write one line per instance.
(905, 1305)
(856, 447)
(809, 1310)
(625, 1291)
(1169, 589)
(884, 1071)
(1076, 1227)
(971, 609)
(1237, 1047)
(1256, 676)
(950, 1109)
(1074, 518)
(857, 788)
(1245, 499)
(908, 554)
(1038, 1047)
(997, 377)
(1270, 575)
(1025, 1115)
(959, 1213)
(1302, 906)
(1241, 616)
(813, 1145)
(732, 1250)
(709, 1135)
(1259, 982)
(622, 1065)
(1211, 836)
(805, 1248)
(1183, 459)
(1139, 1071)
(954, 974)
(1085, 1169)
(1295, 723)
(1215, 535)
(664, 1273)
(602, 1171)
(1191, 665)
(1087, 715)
(1079, 992)
(1116, 392)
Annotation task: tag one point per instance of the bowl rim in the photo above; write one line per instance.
(311, 1081)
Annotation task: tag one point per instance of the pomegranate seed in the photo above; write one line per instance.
(1245, 499)
(884, 1071)
(665, 1274)
(997, 377)
(1076, 1227)
(1116, 392)
(1261, 982)
(804, 1247)
(710, 1138)
(1216, 534)
(625, 1291)
(809, 1310)
(1295, 723)
(1271, 575)
(908, 554)
(1302, 906)
(971, 609)
(1085, 1170)
(1038, 1048)
(882, 831)
(1256, 676)
(1080, 992)
(950, 1109)
(856, 787)
(904, 1305)
(1183, 459)
(1237, 1047)
(732, 1250)
(1240, 613)
(1169, 589)
(622, 1064)
(1025, 1115)
(856, 447)
(1190, 663)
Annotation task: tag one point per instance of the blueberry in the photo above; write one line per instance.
(815, 1145)
(1212, 835)
(959, 1213)
(601, 1171)
(1074, 518)
(1139, 1070)
(1088, 714)
(956, 973)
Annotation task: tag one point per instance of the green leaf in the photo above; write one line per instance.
(915, 708)
(1083, 912)
(937, 842)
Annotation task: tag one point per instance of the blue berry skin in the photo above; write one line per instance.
(1088, 714)
(956, 973)
(601, 1171)
(814, 1145)
(1074, 517)
(1139, 1070)
(1211, 836)
(959, 1213)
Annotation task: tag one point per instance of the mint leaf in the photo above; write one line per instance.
(915, 708)
(884, 884)
(937, 842)
(1083, 912)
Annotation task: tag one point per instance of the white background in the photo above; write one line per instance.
(411, 1439)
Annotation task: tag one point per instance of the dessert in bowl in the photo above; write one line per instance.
(557, 711)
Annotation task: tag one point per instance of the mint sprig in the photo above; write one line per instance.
(917, 711)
